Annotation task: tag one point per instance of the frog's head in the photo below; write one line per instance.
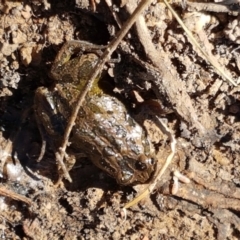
(129, 171)
(134, 171)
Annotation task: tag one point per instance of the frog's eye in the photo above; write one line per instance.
(141, 166)
(151, 161)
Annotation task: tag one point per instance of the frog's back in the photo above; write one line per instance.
(113, 140)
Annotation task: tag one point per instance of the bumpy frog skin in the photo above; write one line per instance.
(103, 130)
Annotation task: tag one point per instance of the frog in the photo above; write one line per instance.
(104, 129)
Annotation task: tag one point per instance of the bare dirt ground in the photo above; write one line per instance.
(157, 62)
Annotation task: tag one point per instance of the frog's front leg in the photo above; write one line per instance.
(45, 115)
(51, 123)
(68, 50)
(50, 112)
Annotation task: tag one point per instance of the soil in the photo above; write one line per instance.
(157, 61)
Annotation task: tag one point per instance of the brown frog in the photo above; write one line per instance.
(104, 130)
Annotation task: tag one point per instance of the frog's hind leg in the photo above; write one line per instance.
(65, 169)
(41, 128)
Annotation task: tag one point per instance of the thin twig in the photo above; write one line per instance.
(211, 7)
(164, 75)
(97, 69)
(8, 193)
(195, 43)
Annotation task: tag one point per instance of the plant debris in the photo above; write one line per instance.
(157, 64)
